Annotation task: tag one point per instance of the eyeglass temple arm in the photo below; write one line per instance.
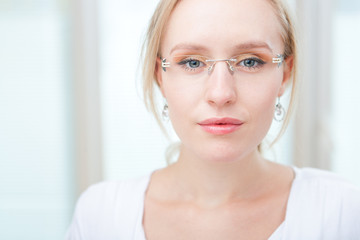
(164, 64)
(279, 59)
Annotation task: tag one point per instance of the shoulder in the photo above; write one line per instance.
(322, 203)
(108, 209)
(326, 187)
(321, 181)
(105, 196)
(318, 174)
(111, 192)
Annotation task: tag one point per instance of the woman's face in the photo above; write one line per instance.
(222, 115)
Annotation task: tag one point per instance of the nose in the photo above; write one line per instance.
(221, 86)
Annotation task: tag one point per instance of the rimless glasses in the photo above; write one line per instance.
(194, 65)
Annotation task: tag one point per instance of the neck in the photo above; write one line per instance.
(214, 183)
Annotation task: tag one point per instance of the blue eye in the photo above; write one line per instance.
(193, 63)
(252, 62)
(249, 63)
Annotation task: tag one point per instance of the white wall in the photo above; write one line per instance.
(346, 88)
(133, 143)
(35, 137)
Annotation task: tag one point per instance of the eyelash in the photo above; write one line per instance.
(183, 64)
(259, 62)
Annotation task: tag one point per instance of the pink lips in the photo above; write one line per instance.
(220, 126)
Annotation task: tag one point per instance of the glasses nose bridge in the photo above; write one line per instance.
(213, 62)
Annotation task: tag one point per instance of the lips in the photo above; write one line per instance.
(220, 126)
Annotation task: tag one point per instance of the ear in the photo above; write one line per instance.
(287, 74)
(158, 74)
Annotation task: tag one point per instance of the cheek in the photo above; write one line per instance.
(260, 97)
(181, 97)
(181, 108)
(259, 100)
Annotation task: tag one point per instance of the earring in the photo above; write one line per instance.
(279, 113)
(165, 112)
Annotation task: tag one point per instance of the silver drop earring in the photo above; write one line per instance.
(165, 112)
(280, 112)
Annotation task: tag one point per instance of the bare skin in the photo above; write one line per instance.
(172, 213)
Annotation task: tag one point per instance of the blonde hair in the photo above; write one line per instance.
(152, 45)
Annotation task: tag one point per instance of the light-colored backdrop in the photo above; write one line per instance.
(71, 110)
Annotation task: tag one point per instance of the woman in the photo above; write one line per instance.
(222, 67)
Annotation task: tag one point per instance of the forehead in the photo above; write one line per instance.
(221, 25)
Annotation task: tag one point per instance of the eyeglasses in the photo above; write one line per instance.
(195, 65)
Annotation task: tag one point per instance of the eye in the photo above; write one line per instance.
(249, 63)
(192, 63)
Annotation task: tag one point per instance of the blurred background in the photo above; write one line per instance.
(71, 110)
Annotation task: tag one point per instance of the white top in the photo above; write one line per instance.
(321, 205)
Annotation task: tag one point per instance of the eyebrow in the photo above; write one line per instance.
(188, 46)
(241, 46)
(253, 45)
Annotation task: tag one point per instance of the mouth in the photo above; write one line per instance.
(220, 126)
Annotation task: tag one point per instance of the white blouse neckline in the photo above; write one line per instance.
(140, 232)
